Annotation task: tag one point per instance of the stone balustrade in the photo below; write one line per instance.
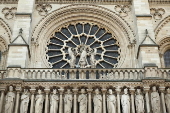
(83, 74)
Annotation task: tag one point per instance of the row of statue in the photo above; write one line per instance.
(82, 99)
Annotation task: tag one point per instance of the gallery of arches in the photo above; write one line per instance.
(84, 56)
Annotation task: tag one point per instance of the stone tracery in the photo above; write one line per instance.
(83, 45)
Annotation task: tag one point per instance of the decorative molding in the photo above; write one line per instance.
(9, 13)
(159, 1)
(161, 25)
(43, 9)
(123, 10)
(106, 2)
(157, 13)
(8, 1)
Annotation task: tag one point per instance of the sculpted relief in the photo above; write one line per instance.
(68, 102)
(9, 101)
(125, 100)
(39, 99)
(111, 102)
(155, 101)
(25, 97)
(167, 100)
(82, 99)
(139, 101)
(97, 100)
(54, 102)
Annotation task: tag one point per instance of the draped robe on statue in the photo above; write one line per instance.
(9, 105)
(82, 99)
(39, 103)
(97, 99)
(111, 104)
(54, 103)
(155, 101)
(24, 103)
(125, 100)
(67, 103)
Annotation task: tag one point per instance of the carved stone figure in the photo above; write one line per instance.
(82, 99)
(155, 101)
(10, 99)
(125, 100)
(97, 100)
(167, 100)
(92, 58)
(72, 54)
(24, 101)
(139, 101)
(83, 56)
(111, 102)
(68, 102)
(54, 102)
(39, 102)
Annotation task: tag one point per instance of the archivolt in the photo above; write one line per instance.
(161, 25)
(7, 29)
(83, 12)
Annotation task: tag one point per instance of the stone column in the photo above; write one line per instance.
(46, 100)
(61, 100)
(118, 90)
(162, 89)
(132, 91)
(89, 100)
(75, 100)
(18, 89)
(146, 89)
(104, 100)
(32, 100)
(2, 89)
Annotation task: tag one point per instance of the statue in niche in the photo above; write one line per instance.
(139, 101)
(54, 102)
(155, 100)
(92, 58)
(82, 99)
(167, 100)
(97, 100)
(39, 102)
(111, 102)
(68, 102)
(10, 99)
(72, 54)
(83, 56)
(125, 100)
(24, 101)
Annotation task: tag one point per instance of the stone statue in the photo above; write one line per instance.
(68, 102)
(155, 101)
(39, 102)
(167, 100)
(72, 54)
(139, 101)
(10, 99)
(111, 102)
(125, 100)
(54, 102)
(92, 58)
(97, 100)
(82, 99)
(24, 101)
(83, 56)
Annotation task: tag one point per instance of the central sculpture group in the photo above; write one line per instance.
(82, 99)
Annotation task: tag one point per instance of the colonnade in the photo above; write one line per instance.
(94, 100)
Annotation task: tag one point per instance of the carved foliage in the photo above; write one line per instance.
(9, 13)
(157, 13)
(43, 9)
(122, 10)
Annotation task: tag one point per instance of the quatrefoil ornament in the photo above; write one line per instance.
(157, 13)
(9, 13)
(122, 10)
(43, 9)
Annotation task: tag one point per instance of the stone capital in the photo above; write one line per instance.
(2, 89)
(18, 89)
(132, 90)
(32, 91)
(47, 91)
(89, 91)
(61, 91)
(75, 91)
(118, 90)
(104, 91)
(162, 89)
(146, 89)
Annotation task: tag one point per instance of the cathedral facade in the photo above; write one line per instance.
(84, 56)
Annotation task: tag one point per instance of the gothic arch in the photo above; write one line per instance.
(82, 12)
(160, 27)
(7, 31)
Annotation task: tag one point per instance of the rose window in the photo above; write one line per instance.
(83, 45)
